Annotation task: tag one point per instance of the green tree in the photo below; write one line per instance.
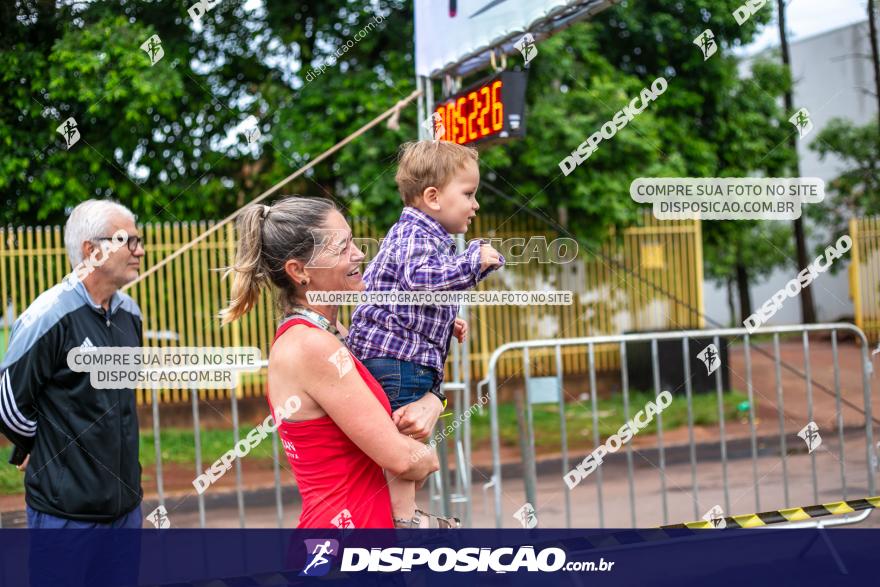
(856, 191)
(749, 127)
(161, 139)
(714, 123)
(572, 91)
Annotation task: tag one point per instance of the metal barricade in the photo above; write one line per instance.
(449, 489)
(458, 391)
(751, 447)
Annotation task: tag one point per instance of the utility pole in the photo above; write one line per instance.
(808, 311)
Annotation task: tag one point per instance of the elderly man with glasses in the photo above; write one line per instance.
(77, 444)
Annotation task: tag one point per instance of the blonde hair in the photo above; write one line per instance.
(268, 237)
(424, 164)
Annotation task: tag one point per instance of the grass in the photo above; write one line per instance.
(11, 480)
(178, 444)
(579, 418)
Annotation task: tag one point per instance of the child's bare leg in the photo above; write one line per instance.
(403, 497)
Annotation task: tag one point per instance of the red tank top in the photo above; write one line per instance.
(341, 486)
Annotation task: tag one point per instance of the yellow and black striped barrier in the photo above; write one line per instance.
(674, 531)
(834, 508)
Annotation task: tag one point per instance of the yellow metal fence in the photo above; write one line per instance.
(648, 277)
(865, 274)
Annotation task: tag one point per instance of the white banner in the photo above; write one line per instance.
(447, 31)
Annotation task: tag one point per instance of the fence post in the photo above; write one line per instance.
(698, 266)
(854, 278)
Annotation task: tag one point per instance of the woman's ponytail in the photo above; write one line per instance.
(249, 277)
(268, 237)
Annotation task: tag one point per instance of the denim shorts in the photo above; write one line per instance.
(403, 381)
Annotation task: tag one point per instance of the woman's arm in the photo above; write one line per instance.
(342, 393)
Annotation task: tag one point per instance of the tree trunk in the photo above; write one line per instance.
(871, 185)
(731, 307)
(742, 287)
(875, 56)
(562, 211)
(808, 312)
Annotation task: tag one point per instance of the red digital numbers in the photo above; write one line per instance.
(476, 115)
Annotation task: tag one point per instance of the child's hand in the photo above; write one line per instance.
(417, 419)
(460, 329)
(489, 257)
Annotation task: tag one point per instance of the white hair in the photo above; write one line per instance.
(90, 220)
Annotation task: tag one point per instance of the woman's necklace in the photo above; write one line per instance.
(315, 318)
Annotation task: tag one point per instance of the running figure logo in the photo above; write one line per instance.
(527, 516)
(526, 46)
(159, 518)
(710, 358)
(68, 130)
(810, 434)
(321, 554)
(342, 359)
(343, 520)
(252, 135)
(706, 43)
(801, 121)
(434, 125)
(716, 517)
(153, 48)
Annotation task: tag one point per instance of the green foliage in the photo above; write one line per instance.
(856, 191)
(752, 133)
(757, 245)
(719, 123)
(160, 138)
(573, 90)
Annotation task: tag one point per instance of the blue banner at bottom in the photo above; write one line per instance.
(761, 556)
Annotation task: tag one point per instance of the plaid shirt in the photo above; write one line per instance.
(417, 254)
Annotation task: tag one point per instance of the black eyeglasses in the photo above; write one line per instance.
(133, 241)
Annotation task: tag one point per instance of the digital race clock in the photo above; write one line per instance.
(490, 110)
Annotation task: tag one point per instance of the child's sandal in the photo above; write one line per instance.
(433, 521)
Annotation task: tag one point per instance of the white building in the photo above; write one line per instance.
(833, 79)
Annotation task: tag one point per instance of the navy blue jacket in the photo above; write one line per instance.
(83, 442)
